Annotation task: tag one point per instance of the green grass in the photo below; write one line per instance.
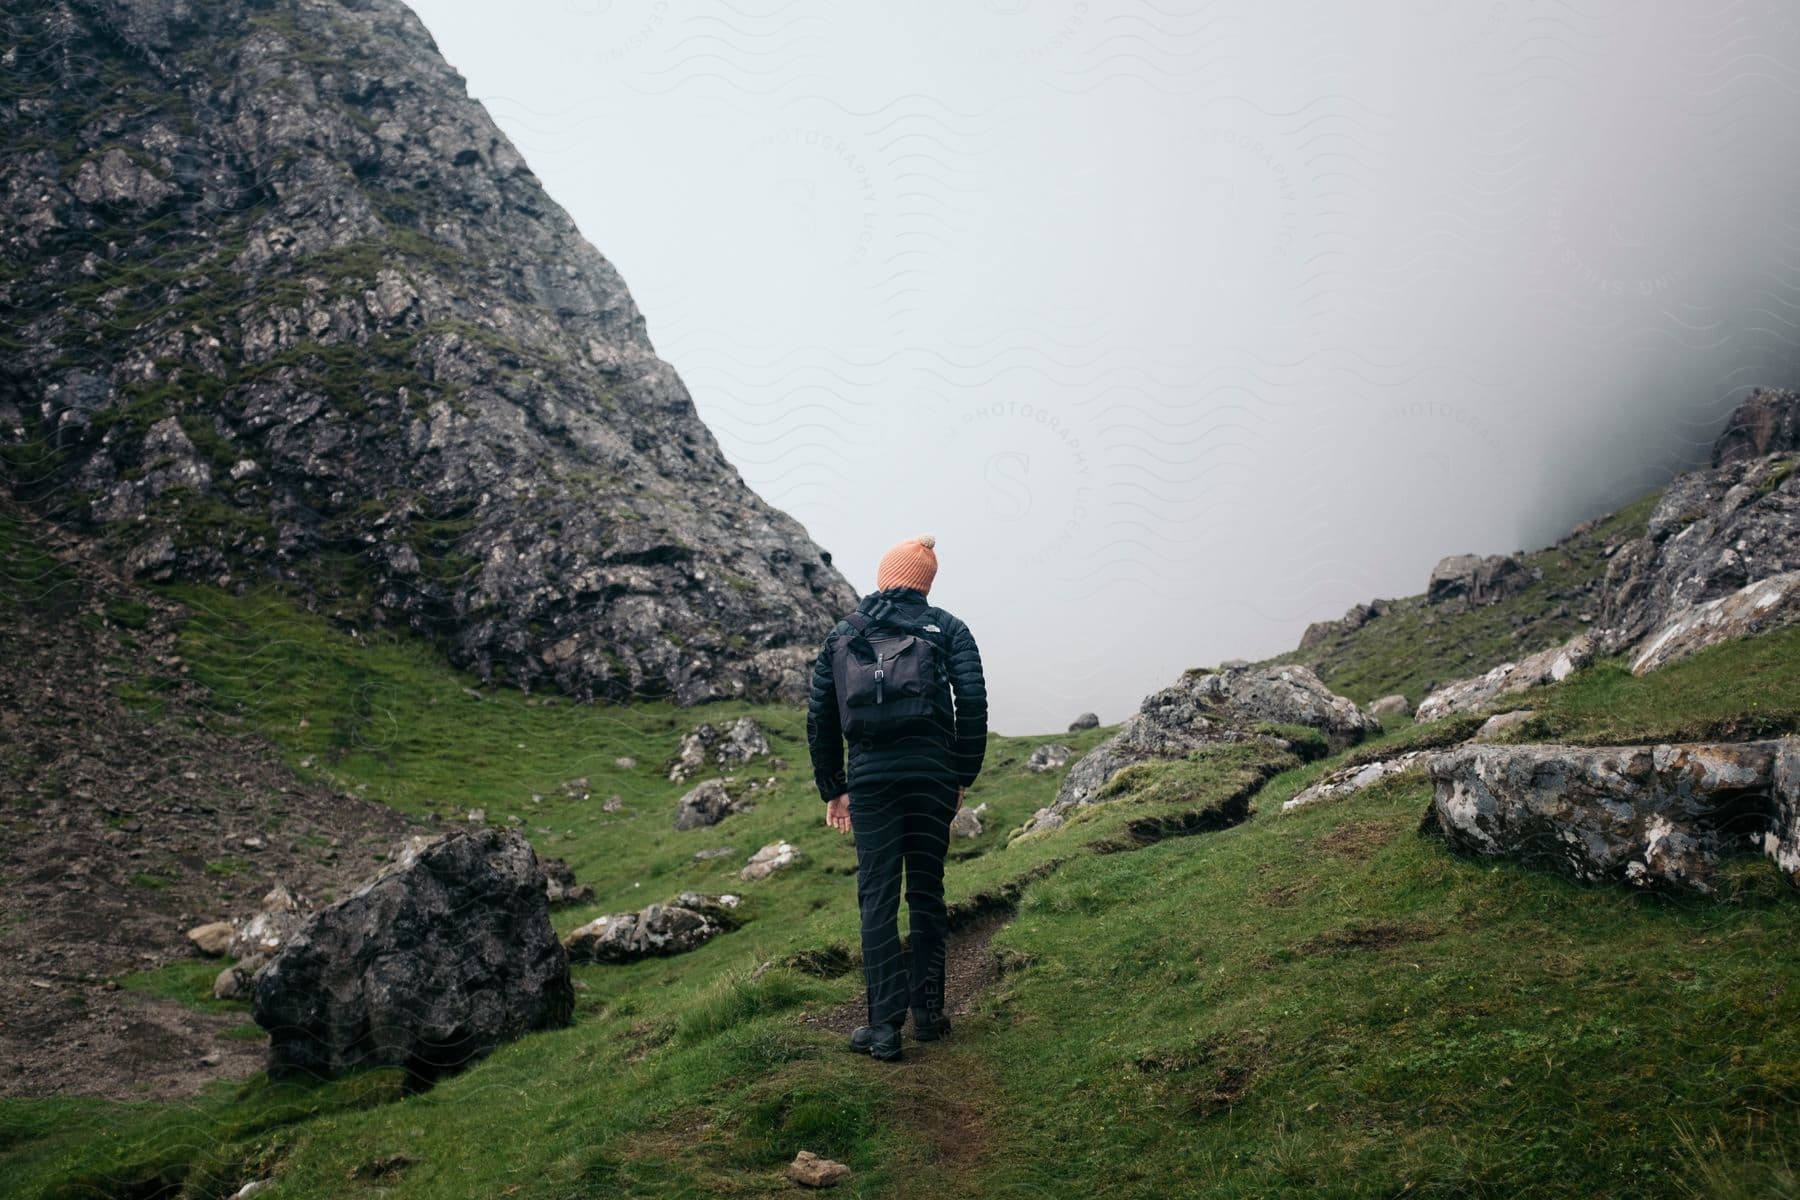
(1415, 646)
(1322, 1003)
(189, 980)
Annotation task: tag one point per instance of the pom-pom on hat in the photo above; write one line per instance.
(913, 564)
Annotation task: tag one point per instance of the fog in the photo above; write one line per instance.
(1180, 325)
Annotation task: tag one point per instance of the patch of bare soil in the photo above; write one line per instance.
(1370, 935)
(970, 967)
(119, 832)
(1355, 839)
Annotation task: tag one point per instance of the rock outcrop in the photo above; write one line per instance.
(1049, 757)
(653, 931)
(1546, 666)
(1757, 608)
(283, 302)
(443, 955)
(1767, 423)
(1712, 533)
(1643, 815)
(1218, 706)
(1476, 580)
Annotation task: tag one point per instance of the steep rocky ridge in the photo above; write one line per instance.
(281, 301)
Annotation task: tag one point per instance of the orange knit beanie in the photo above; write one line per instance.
(912, 564)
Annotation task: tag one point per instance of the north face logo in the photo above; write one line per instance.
(932, 629)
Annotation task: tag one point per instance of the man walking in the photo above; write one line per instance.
(900, 680)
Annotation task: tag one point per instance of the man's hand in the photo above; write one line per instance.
(837, 813)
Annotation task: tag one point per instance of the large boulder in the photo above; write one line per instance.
(1767, 423)
(1546, 666)
(1758, 608)
(1202, 707)
(443, 955)
(655, 930)
(1475, 579)
(1712, 533)
(1643, 815)
(1781, 841)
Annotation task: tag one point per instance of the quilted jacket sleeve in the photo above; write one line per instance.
(824, 733)
(970, 689)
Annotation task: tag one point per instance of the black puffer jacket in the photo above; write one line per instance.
(954, 751)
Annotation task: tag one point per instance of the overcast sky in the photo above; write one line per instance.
(1180, 324)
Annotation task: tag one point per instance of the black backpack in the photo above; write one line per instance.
(892, 684)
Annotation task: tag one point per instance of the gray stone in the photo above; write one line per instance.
(809, 1170)
(967, 822)
(1712, 533)
(1643, 815)
(653, 931)
(1394, 705)
(1546, 666)
(723, 747)
(1347, 781)
(1086, 720)
(707, 804)
(443, 955)
(776, 856)
(212, 939)
(1782, 840)
(1049, 757)
(560, 886)
(1475, 579)
(1759, 607)
(1205, 707)
(1767, 423)
(1496, 727)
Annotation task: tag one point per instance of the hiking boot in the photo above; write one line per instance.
(929, 1028)
(877, 1041)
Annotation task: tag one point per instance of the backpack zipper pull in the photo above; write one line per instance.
(879, 676)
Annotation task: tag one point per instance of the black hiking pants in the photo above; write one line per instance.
(902, 824)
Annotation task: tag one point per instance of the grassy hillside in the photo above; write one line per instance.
(1317, 1004)
(1414, 646)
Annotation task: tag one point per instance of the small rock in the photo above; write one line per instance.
(613, 803)
(252, 1188)
(707, 804)
(1048, 757)
(809, 1170)
(625, 762)
(1495, 726)
(715, 852)
(212, 938)
(477, 815)
(1395, 705)
(770, 859)
(1086, 720)
(254, 843)
(966, 824)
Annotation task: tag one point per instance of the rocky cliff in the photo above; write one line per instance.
(278, 301)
